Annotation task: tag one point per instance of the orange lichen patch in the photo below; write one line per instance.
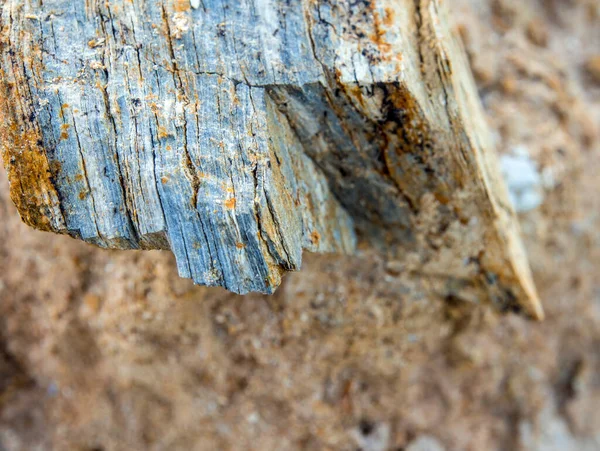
(378, 38)
(65, 132)
(315, 237)
(181, 5)
(83, 194)
(230, 203)
(164, 179)
(388, 20)
(93, 43)
(240, 245)
(61, 113)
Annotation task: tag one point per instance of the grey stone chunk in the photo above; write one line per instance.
(239, 133)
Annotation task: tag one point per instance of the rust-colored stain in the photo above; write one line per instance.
(21, 144)
(92, 302)
(93, 43)
(410, 159)
(315, 237)
(240, 245)
(162, 132)
(388, 20)
(274, 277)
(65, 132)
(28, 170)
(378, 38)
(164, 179)
(230, 203)
(442, 198)
(63, 107)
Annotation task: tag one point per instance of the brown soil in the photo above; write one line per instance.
(108, 350)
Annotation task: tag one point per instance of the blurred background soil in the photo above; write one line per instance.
(106, 350)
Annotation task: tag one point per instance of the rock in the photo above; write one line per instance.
(523, 180)
(239, 134)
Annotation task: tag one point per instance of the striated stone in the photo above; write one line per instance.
(238, 134)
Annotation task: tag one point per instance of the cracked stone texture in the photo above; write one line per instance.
(240, 133)
(109, 350)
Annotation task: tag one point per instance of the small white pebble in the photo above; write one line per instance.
(523, 180)
(195, 4)
(529, 200)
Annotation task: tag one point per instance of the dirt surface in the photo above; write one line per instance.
(105, 350)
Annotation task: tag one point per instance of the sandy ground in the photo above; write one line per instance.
(104, 350)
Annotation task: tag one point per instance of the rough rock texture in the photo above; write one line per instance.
(146, 125)
(238, 133)
(110, 350)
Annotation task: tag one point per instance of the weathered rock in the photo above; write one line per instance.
(239, 133)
